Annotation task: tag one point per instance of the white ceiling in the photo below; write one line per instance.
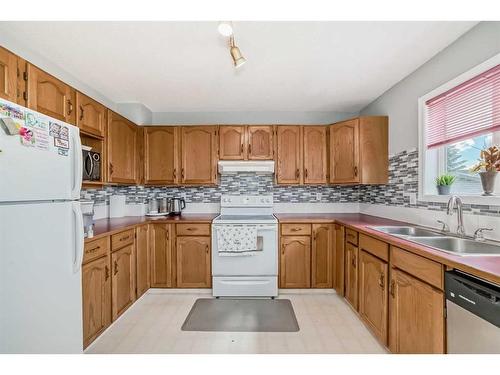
(186, 66)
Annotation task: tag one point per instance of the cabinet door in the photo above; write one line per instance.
(122, 150)
(295, 262)
(232, 143)
(198, 155)
(315, 155)
(338, 264)
(193, 262)
(416, 312)
(322, 256)
(123, 280)
(260, 142)
(373, 303)
(351, 274)
(91, 117)
(161, 256)
(161, 155)
(48, 95)
(142, 259)
(344, 152)
(8, 75)
(96, 293)
(289, 155)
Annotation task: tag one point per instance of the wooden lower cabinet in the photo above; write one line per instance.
(416, 312)
(161, 263)
(295, 262)
(351, 274)
(193, 262)
(142, 260)
(338, 260)
(96, 298)
(373, 304)
(322, 256)
(123, 279)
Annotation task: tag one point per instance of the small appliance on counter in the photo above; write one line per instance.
(175, 206)
(91, 170)
(157, 207)
(117, 206)
(88, 218)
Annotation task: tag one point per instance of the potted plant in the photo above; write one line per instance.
(488, 167)
(443, 184)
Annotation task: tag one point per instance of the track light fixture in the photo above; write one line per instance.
(226, 29)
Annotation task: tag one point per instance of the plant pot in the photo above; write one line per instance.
(488, 181)
(443, 189)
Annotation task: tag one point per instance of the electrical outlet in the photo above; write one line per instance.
(413, 199)
(318, 197)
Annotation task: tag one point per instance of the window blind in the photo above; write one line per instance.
(467, 110)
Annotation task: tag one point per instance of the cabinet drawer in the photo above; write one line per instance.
(351, 236)
(122, 239)
(375, 247)
(95, 249)
(425, 269)
(193, 229)
(295, 229)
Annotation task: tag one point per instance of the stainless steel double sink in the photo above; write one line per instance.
(441, 241)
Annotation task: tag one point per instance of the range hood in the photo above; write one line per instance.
(239, 166)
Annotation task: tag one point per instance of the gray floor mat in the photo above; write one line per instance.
(241, 315)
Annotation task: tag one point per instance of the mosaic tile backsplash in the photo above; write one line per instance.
(403, 179)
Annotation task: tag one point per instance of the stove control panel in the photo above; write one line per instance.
(247, 201)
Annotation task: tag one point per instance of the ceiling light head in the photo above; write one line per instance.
(225, 28)
(238, 58)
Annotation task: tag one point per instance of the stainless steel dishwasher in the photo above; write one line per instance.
(473, 314)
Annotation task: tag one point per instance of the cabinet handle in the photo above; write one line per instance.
(70, 107)
(353, 262)
(314, 235)
(305, 172)
(110, 168)
(242, 148)
(168, 235)
(207, 248)
(283, 249)
(249, 148)
(297, 173)
(355, 171)
(392, 287)
(115, 264)
(81, 113)
(106, 273)
(295, 229)
(182, 174)
(381, 281)
(175, 173)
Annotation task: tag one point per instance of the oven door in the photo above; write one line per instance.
(262, 263)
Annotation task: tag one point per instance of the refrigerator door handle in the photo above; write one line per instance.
(78, 165)
(79, 236)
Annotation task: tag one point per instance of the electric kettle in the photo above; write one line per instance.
(176, 205)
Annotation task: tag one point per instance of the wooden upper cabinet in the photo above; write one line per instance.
(344, 148)
(122, 150)
(232, 142)
(260, 142)
(8, 75)
(193, 262)
(295, 262)
(50, 96)
(161, 155)
(91, 117)
(142, 259)
(373, 303)
(289, 155)
(123, 280)
(416, 313)
(96, 302)
(161, 256)
(359, 151)
(351, 274)
(322, 256)
(315, 155)
(199, 155)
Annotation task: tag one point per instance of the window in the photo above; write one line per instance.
(456, 121)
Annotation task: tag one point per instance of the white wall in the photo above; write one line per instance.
(400, 101)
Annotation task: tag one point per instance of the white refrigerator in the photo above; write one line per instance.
(41, 233)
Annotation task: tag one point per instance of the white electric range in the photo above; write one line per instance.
(247, 276)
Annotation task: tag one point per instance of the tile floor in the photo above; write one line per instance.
(153, 325)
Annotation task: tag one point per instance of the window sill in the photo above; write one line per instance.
(469, 199)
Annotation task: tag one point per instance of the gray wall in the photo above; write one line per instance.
(400, 102)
